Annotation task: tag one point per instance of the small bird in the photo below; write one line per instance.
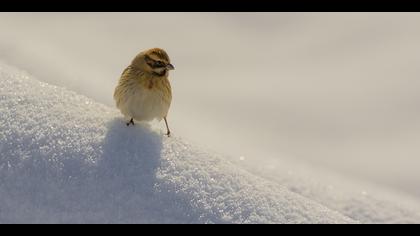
(143, 92)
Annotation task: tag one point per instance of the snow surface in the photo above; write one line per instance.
(68, 159)
(337, 90)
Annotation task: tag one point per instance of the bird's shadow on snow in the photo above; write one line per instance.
(119, 185)
(127, 172)
(130, 156)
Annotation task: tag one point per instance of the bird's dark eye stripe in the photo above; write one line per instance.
(160, 64)
(154, 64)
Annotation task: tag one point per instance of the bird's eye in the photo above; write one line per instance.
(159, 64)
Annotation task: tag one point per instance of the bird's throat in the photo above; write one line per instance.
(163, 73)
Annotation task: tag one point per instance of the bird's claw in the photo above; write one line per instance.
(130, 122)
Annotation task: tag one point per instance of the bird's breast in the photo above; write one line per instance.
(148, 99)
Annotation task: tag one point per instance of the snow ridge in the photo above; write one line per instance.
(67, 159)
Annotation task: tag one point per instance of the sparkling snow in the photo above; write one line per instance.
(68, 159)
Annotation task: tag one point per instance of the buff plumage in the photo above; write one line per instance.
(144, 92)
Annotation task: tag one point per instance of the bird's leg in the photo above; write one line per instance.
(130, 122)
(168, 132)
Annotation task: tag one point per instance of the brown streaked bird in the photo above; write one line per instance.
(143, 92)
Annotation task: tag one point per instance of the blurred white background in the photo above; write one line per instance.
(335, 90)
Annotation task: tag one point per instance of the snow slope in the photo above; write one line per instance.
(67, 159)
(339, 90)
(342, 99)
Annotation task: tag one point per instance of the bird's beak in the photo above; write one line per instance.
(170, 67)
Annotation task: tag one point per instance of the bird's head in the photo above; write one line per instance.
(154, 61)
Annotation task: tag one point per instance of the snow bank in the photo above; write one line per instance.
(67, 159)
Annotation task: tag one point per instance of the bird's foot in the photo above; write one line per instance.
(130, 122)
(168, 133)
